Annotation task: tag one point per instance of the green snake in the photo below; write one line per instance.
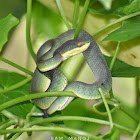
(48, 77)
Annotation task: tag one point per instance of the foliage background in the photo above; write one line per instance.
(45, 17)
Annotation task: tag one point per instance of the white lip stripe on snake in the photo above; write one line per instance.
(50, 56)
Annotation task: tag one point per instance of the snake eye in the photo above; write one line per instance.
(80, 44)
(102, 84)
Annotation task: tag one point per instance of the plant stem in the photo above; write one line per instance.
(116, 107)
(63, 14)
(76, 118)
(30, 113)
(16, 136)
(8, 124)
(34, 96)
(19, 84)
(75, 13)
(25, 123)
(82, 17)
(28, 26)
(107, 107)
(68, 118)
(73, 118)
(112, 64)
(57, 129)
(136, 132)
(9, 115)
(16, 66)
(115, 56)
(115, 22)
(138, 94)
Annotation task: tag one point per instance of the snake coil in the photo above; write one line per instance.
(48, 77)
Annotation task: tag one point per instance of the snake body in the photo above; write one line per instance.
(47, 77)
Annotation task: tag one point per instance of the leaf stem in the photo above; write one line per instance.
(33, 96)
(19, 84)
(25, 123)
(68, 118)
(112, 64)
(28, 26)
(9, 123)
(138, 94)
(136, 132)
(115, 22)
(82, 17)
(30, 113)
(63, 14)
(76, 118)
(16, 66)
(58, 129)
(116, 107)
(115, 56)
(9, 115)
(107, 107)
(16, 136)
(75, 13)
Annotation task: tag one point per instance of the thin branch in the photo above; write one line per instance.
(63, 14)
(75, 13)
(25, 123)
(107, 108)
(68, 118)
(10, 115)
(82, 17)
(136, 132)
(76, 118)
(28, 26)
(34, 96)
(8, 124)
(16, 66)
(138, 94)
(69, 131)
(115, 56)
(16, 136)
(116, 107)
(115, 22)
(19, 84)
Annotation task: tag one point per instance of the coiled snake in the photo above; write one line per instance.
(48, 77)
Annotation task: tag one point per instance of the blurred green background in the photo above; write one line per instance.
(47, 24)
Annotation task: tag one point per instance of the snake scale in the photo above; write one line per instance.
(48, 77)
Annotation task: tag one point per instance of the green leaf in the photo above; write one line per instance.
(8, 79)
(6, 24)
(121, 118)
(112, 135)
(129, 30)
(79, 107)
(114, 8)
(106, 3)
(119, 8)
(131, 8)
(121, 69)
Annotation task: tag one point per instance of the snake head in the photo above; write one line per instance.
(73, 47)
